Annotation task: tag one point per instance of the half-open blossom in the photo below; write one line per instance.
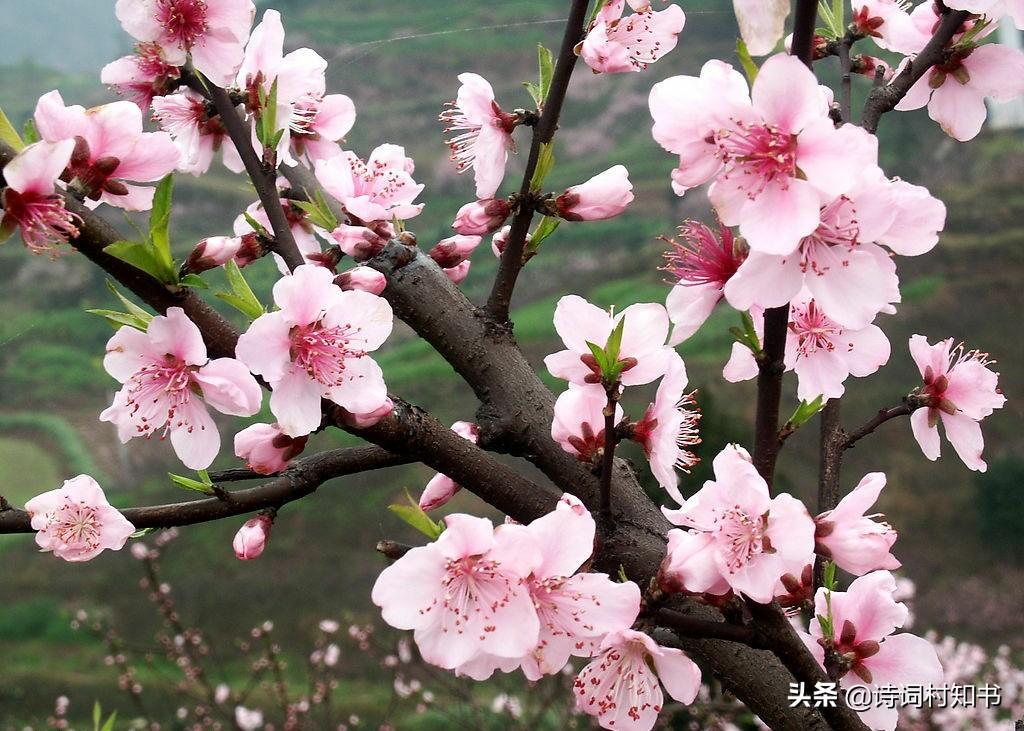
(454, 250)
(480, 218)
(761, 23)
(458, 273)
(955, 91)
(889, 25)
(772, 160)
(668, 429)
(110, 148)
(30, 201)
(317, 346)
(142, 76)
(212, 252)
(643, 351)
(298, 223)
(212, 33)
(855, 541)
(863, 620)
(251, 538)
(962, 390)
(578, 424)
(483, 133)
(615, 44)
(266, 449)
(380, 189)
(465, 593)
(739, 537)
(76, 522)
(441, 487)
(367, 418)
(700, 264)
(363, 278)
(604, 196)
(167, 377)
(620, 686)
(198, 134)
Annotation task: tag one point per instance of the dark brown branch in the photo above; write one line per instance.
(909, 406)
(845, 78)
(687, 626)
(302, 478)
(392, 550)
(512, 258)
(805, 17)
(830, 461)
(884, 99)
(608, 454)
(770, 368)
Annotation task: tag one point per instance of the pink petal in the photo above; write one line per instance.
(678, 673)
(228, 387)
(295, 403)
(787, 94)
(964, 434)
(265, 347)
(927, 436)
(411, 586)
(959, 109)
(174, 333)
(780, 216)
(197, 442)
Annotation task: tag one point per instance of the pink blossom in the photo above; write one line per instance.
(863, 620)
(578, 424)
(458, 273)
(317, 346)
(298, 223)
(855, 541)
(620, 686)
(369, 418)
(380, 189)
(213, 252)
(772, 160)
(700, 265)
(604, 196)
(484, 133)
(761, 23)
(252, 537)
(166, 379)
(212, 33)
(500, 238)
(668, 428)
(110, 148)
(889, 25)
(141, 76)
(266, 449)
(198, 136)
(643, 349)
(616, 45)
(955, 92)
(441, 487)
(248, 719)
(76, 522)
(993, 9)
(464, 594)
(453, 250)
(362, 278)
(31, 202)
(480, 218)
(740, 538)
(961, 390)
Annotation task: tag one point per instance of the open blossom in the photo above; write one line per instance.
(855, 541)
(167, 377)
(110, 148)
(955, 91)
(317, 346)
(962, 390)
(197, 134)
(700, 265)
(616, 44)
(889, 25)
(821, 351)
(31, 203)
(482, 217)
(266, 449)
(668, 429)
(772, 160)
(863, 620)
(643, 350)
(483, 133)
(604, 196)
(621, 688)
(465, 593)
(738, 536)
(76, 522)
(380, 189)
(212, 33)
(248, 719)
(578, 424)
(441, 487)
(761, 23)
(251, 538)
(142, 76)
(993, 9)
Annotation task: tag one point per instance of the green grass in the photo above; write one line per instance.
(26, 469)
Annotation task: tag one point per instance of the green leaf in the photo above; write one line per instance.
(118, 319)
(29, 133)
(319, 212)
(829, 580)
(746, 61)
(96, 714)
(622, 574)
(109, 725)
(545, 164)
(545, 228)
(242, 305)
(194, 280)
(241, 295)
(256, 226)
(805, 411)
(614, 345)
(159, 227)
(534, 92)
(599, 355)
(546, 65)
(143, 532)
(266, 128)
(133, 309)
(139, 255)
(839, 16)
(413, 515)
(189, 484)
(8, 134)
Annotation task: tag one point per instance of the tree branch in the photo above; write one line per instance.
(909, 406)
(805, 16)
(770, 369)
(608, 454)
(512, 258)
(830, 460)
(686, 626)
(845, 78)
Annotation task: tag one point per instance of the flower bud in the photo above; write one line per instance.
(453, 250)
(438, 491)
(362, 421)
(459, 272)
(359, 242)
(266, 449)
(605, 195)
(362, 278)
(213, 252)
(252, 537)
(480, 218)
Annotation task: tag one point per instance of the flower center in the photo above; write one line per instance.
(77, 525)
(158, 393)
(742, 536)
(472, 584)
(184, 21)
(43, 220)
(703, 258)
(813, 329)
(756, 154)
(322, 351)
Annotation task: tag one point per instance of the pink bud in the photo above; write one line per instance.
(467, 430)
(359, 242)
(480, 218)
(250, 250)
(213, 252)
(441, 488)
(362, 278)
(499, 240)
(252, 537)
(453, 250)
(362, 421)
(266, 449)
(459, 272)
(605, 195)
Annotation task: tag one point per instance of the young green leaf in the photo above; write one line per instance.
(193, 280)
(805, 411)
(614, 345)
(545, 228)
(8, 134)
(29, 132)
(189, 484)
(545, 164)
(159, 228)
(118, 319)
(414, 516)
(139, 255)
(746, 61)
(546, 65)
(133, 309)
(109, 725)
(257, 226)
(241, 296)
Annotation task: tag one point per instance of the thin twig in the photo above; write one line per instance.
(845, 79)
(909, 406)
(830, 460)
(608, 454)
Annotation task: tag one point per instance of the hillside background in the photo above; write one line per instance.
(960, 537)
